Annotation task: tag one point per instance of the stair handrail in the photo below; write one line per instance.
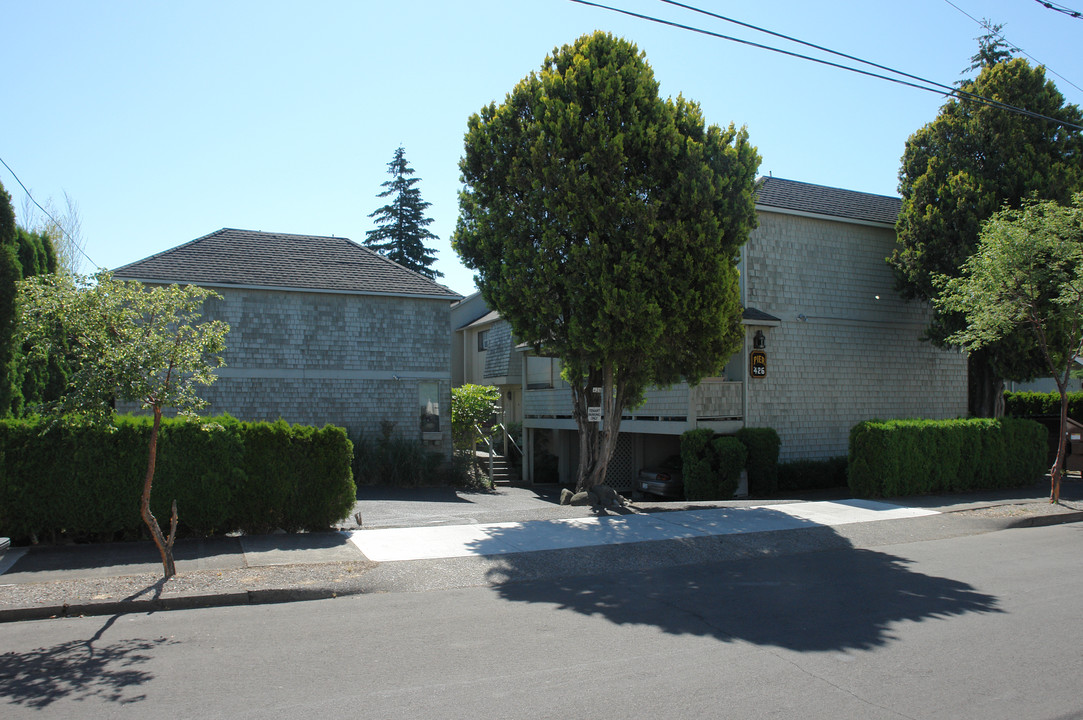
(489, 443)
(509, 437)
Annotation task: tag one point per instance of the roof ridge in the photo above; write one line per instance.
(257, 258)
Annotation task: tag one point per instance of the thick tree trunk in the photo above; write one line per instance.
(985, 389)
(596, 446)
(165, 546)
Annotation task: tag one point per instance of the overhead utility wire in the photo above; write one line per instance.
(986, 24)
(73, 241)
(950, 91)
(1061, 9)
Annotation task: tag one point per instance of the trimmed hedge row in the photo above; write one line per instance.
(225, 475)
(763, 445)
(913, 457)
(711, 466)
(1027, 404)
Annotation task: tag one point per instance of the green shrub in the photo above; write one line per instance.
(1034, 404)
(812, 474)
(86, 482)
(729, 457)
(912, 457)
(763, 446)
(711, 466)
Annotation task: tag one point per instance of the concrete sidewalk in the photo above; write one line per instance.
(47, 581)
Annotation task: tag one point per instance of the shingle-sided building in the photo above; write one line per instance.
(828, 343)
(322, 330)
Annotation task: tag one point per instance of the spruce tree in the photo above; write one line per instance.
(401, 226)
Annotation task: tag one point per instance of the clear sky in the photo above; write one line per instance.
(167, 121)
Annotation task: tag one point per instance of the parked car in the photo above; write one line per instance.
(664, 480)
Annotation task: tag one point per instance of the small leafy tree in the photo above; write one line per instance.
(605, 224)
(127, 341)
(402, 227)
(1027, 273)
(471, 407)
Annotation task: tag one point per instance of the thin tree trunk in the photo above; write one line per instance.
(165, 547)
(1057, 471)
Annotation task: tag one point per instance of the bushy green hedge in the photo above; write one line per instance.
(913, 457)
(711, 466)
(225, 475)
(812, 474)
(763, 445)
(1028, 404)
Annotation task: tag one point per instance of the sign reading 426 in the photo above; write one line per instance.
(757, 364)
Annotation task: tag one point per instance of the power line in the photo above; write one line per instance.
(988, 27)
(946, 90)
(73, 241)
(1061, 9)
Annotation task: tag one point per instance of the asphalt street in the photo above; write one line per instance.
(976, 626)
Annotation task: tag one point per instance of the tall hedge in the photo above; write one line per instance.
(763, 445)
(711, 466)
(913, 457)
(225, 475)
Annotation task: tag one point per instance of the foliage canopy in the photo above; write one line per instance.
(961, 168)
(604, 224)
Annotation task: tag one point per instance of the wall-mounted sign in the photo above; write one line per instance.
(594, 414)
(757, 364)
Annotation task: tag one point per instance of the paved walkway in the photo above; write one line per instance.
(446, 541)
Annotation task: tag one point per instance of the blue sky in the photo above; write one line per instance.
(167, 121)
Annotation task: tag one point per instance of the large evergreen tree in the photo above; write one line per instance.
(962, 167)
(23, 254)
(605, 224)
(402, 227)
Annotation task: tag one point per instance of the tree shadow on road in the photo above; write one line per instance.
(79, 669)
(806, 589)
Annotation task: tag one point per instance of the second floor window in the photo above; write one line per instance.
(483, 340)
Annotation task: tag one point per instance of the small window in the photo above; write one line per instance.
(429, 399)
(483, 340)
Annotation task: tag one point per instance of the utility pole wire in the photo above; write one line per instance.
(1061, 9)
(72, 240)
(988, 27)
(947, 91)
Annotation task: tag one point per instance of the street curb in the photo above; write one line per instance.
(1047, 520)
(180, 602)
(288, 595)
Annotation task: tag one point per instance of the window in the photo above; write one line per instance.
(483, 340)
(539, 372)
(429, 400)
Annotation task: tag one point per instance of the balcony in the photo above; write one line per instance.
(712, 401)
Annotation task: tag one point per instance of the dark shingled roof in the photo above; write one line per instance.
(276, 260)
(775, 192)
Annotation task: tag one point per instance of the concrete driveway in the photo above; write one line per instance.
(387, 507)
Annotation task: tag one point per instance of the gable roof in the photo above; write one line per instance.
(246, 258)
(776, 193)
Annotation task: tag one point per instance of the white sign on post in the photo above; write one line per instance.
(594, 414)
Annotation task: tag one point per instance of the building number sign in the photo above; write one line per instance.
(757, 364)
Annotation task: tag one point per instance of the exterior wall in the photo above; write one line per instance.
(463, 313)
(348, 360)
(848, 348)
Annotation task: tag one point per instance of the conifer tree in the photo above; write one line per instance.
(401, 226)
